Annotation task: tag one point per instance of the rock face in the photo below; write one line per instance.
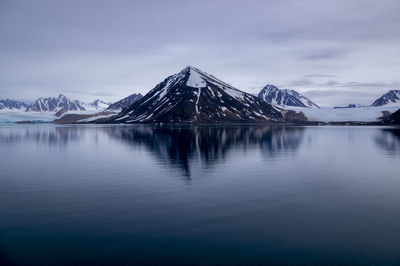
(274, 95)
(8, 104)
(195, 96)
(391, 97)
(54, 105)
(128, 101)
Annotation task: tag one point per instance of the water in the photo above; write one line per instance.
(199, 196)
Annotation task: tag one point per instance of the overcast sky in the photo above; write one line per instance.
(334, 52)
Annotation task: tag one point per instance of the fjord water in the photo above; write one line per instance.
(199, 195)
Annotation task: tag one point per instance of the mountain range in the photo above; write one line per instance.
(196, 96)
(63, 104)
(8, 104)
(53, 104)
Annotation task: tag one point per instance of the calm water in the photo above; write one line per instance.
(207, 195)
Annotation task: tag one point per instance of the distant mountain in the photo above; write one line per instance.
(8, 104)
(97, 105)
(128, 101)
(391, 97)
(274, 95)
(54, 105)
(349, 106)
(195, 96)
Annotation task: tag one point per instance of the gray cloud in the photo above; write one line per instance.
(117, 48)
(99, 93)
(302, 82)
(324, 54)
(320, 76)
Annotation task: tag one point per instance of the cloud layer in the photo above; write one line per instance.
(335, 52)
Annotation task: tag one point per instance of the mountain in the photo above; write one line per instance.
(391, 97)
(393, 118)
(97, 105)
(273, 95)
(349, 106)
(195, 96)
(54, 105)
(8, 104)
(128, 101)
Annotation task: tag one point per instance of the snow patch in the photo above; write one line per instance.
(195, 80)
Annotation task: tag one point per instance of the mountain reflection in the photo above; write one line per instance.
(41, 135)
(175, 146)
(389, 140)
(178, 146)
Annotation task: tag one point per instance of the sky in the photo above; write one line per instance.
(334, 52)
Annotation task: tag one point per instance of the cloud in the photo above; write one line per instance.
(320, 76)
(324, 55)
(99, 93)
(124, 47)
(302, 82)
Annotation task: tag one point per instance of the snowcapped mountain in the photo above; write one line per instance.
(195, 96)
(97, 105)
(391, 97)
(274, 95)
(8, 104)
(54, 105)
(121, 104)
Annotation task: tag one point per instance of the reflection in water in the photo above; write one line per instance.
(41, 135)
(389, 140)
(275, 195)
(177, 146)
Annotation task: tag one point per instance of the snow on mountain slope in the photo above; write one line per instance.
(285, 97)
(52, 104)
(392, 97)
(97, 105)
(12, 105)
(196, 96)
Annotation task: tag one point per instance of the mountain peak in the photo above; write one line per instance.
(52, 104)
(190, 69)
(287, 97)
(391, 97)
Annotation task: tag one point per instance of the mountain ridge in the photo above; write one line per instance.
(390, 97)
(285, 97)
(52, 104)
(125, 102)
(8, 104)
